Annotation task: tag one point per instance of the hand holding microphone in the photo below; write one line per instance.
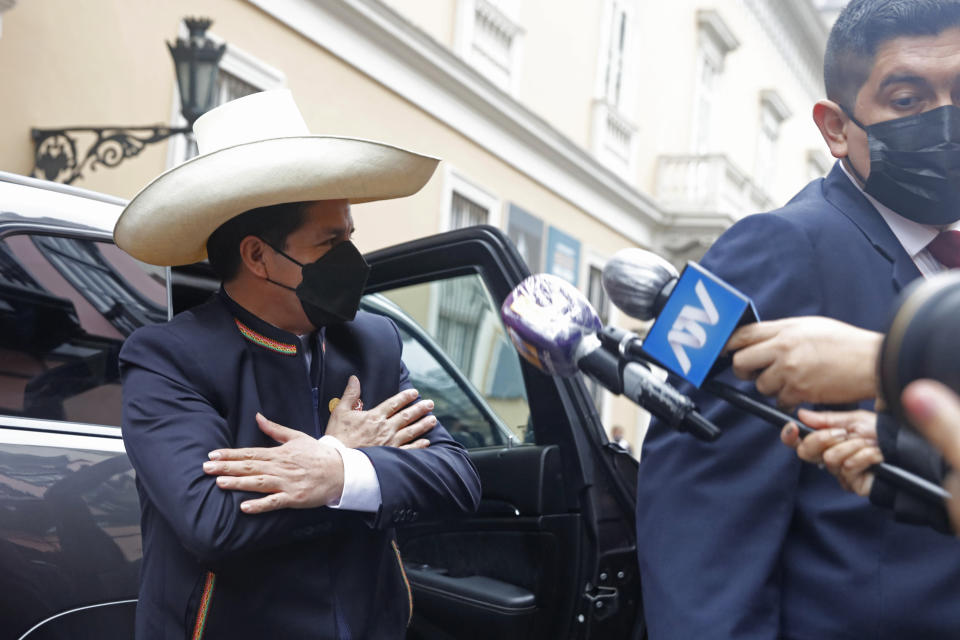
(807, 359)
(696, 313)
(845, 442)
(555, 329)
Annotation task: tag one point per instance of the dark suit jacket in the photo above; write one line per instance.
(194, 385)
(738, 538)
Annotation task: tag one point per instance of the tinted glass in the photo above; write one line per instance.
(459, 356)
(69, 534)
(65, 307)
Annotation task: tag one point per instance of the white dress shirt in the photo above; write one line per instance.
(913, 236)
(361, 488)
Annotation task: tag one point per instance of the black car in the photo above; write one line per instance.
(549, 554)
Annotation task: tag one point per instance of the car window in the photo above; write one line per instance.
(66, 305)
(459, 356)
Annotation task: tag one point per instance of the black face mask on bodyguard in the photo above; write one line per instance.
(332, 286)
(915, 165)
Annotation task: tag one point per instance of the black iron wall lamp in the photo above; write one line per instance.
(196, 60)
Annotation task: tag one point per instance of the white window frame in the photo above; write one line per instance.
(714, 41)
(608, 116)
(628, 80)
(236, 62)
(773, 112)
(505, 13)
(455, 182)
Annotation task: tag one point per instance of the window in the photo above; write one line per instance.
(613, 77)
(468, 368)
(596, 293)
(489, 37)
(464, 212)
(715, 42)
(229, 87)
(598, 298)
(65, 307)
(773, 111)
(240, 75)
(467, 204)
(707, 74)
(454, 319)
(613, 135)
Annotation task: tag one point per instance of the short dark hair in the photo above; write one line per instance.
(272, 224)
(864, 25)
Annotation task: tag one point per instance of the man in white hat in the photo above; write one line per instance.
(266, 360)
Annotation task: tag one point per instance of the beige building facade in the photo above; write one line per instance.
(578, 127)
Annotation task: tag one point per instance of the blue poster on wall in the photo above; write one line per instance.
(526, 231)
(563, 255)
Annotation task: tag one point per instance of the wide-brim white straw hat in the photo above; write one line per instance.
(256, 151)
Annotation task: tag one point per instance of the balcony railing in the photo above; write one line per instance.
(707, 183)
(614, 138)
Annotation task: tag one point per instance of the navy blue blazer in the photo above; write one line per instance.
(194, 385)
(738, 538)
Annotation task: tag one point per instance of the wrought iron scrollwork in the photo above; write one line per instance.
(55, 150)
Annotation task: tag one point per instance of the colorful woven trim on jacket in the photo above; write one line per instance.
(405, 580)
(204, 607)
(265, 342)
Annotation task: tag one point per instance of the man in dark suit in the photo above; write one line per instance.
(738, 538)
(241, 538)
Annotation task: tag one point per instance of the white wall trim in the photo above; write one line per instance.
(772, 100)
(715, 28)
(469, 48)
(382, 44)
(797, 32)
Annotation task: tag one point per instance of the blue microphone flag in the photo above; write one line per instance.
(695, 323)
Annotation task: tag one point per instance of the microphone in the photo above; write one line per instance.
(639, 282)
(555, 329)
(696, 312)
(922, 339)
(642, 284)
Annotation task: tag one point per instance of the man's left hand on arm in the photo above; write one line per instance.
(302, 473)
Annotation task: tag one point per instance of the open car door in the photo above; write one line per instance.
(551, 551)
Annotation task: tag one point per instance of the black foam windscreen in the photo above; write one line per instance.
(923, 340)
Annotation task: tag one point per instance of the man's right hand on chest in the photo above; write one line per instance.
(392, 423)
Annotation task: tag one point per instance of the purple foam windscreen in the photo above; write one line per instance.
(546, 318)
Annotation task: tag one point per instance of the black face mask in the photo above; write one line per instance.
(915, 165)
(332, 286)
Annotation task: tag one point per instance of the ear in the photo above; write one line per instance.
(253, 255)
(832, 122)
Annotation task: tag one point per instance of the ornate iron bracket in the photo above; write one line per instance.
(55, 150)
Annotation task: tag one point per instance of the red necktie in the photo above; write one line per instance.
(946, 248)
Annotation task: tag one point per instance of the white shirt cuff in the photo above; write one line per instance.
(361, 488)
